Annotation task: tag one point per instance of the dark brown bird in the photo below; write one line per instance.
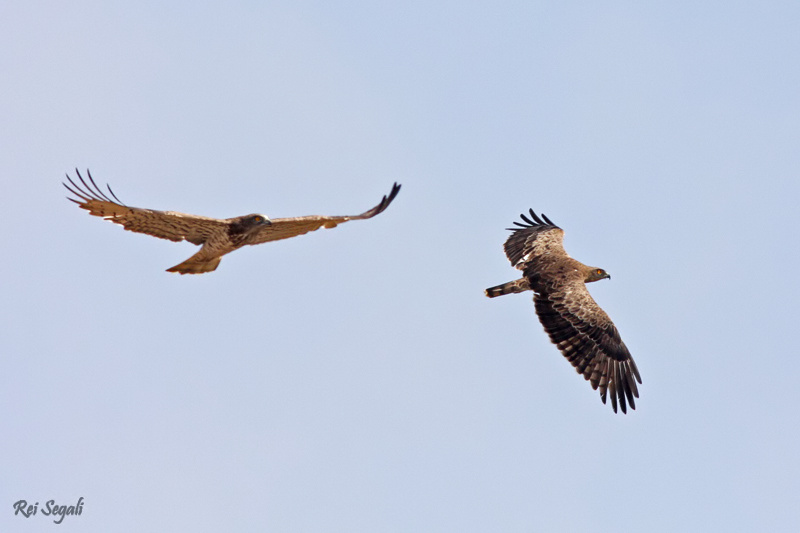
(216, 236)
(580, 329)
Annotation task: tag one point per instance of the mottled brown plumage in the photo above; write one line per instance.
(216, 236)
(580, 329)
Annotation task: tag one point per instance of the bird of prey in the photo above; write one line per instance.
(216, 236)
(580, 329)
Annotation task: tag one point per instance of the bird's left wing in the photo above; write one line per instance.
(285, 228)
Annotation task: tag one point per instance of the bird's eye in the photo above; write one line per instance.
(258, 219)
(599, 271)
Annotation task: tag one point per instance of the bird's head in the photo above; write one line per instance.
(253, 223)
(596, 274)
(248, 224)
(257, 220)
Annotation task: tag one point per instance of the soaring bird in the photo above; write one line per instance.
(580, 329)
(216, 236)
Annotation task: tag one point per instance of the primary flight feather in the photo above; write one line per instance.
(216, 237)
(580, 329)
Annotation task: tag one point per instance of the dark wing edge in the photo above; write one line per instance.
(381, 207)
(596, 352)
(88, 193)
(535, 223)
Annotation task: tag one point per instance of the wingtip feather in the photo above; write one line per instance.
(90, 190)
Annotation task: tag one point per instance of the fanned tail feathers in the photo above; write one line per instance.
(520, 285)
(193, 266)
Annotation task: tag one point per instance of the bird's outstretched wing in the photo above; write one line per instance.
(585, 335)
(162, 224)
(533, 239)
(285, 228)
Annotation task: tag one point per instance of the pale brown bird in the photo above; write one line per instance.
(216, 236)
(580, 329)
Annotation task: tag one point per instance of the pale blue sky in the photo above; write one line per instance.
(357, 379)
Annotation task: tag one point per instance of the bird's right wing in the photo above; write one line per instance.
(162, 224)
(285, 228)
(532, 240)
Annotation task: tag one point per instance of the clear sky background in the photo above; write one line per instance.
(357, 379)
